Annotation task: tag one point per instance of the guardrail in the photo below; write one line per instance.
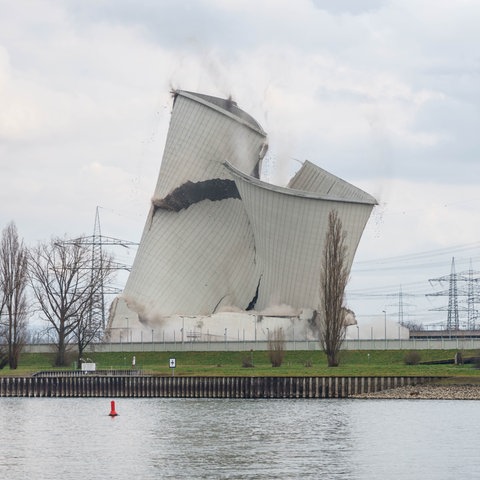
(80, 373)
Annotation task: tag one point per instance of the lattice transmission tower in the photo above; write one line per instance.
(473, 279)
(463, 285)
(97, 311)
(452, 293)
(400, 303)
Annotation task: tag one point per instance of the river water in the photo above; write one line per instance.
(47, 438)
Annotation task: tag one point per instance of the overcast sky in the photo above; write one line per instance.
(385, 94)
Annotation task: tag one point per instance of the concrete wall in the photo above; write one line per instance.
(439, 344)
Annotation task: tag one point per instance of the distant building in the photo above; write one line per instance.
(219, 243)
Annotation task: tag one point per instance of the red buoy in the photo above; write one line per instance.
(112, 413)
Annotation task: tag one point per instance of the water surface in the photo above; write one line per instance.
(237, 439)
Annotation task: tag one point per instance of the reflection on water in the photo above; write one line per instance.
(206, 438)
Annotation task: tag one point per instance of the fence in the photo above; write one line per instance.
(380, 344)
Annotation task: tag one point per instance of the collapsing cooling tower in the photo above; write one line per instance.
(217, 237)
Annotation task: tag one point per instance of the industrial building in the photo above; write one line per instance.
(225, 255)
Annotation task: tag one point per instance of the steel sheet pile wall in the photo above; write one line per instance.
(199, 387)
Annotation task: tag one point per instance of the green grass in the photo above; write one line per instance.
(353, 363)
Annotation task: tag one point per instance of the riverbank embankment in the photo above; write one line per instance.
(108, 385)
(426, 391)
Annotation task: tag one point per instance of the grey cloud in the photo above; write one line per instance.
(354, 86)
(353, 7)
(186, 25)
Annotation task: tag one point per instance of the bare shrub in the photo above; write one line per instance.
(247, 362)
(71, 358)
(276, 347)
(412, 358)
(458, 359)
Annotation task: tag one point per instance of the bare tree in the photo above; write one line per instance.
(3, 341)
(92, 325)
(276, 347)
(13, 285)
(333, 281)
(66, 284)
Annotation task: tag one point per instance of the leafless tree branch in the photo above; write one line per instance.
(66, 283)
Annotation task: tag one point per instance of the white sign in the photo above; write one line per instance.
(172, 363)
(88, 367)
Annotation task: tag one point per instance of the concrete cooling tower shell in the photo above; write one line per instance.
(197, 251)
(289, 229)
(217, 238)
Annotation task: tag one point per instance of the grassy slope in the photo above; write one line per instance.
(361, 363)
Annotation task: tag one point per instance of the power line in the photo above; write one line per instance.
(420, 255)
